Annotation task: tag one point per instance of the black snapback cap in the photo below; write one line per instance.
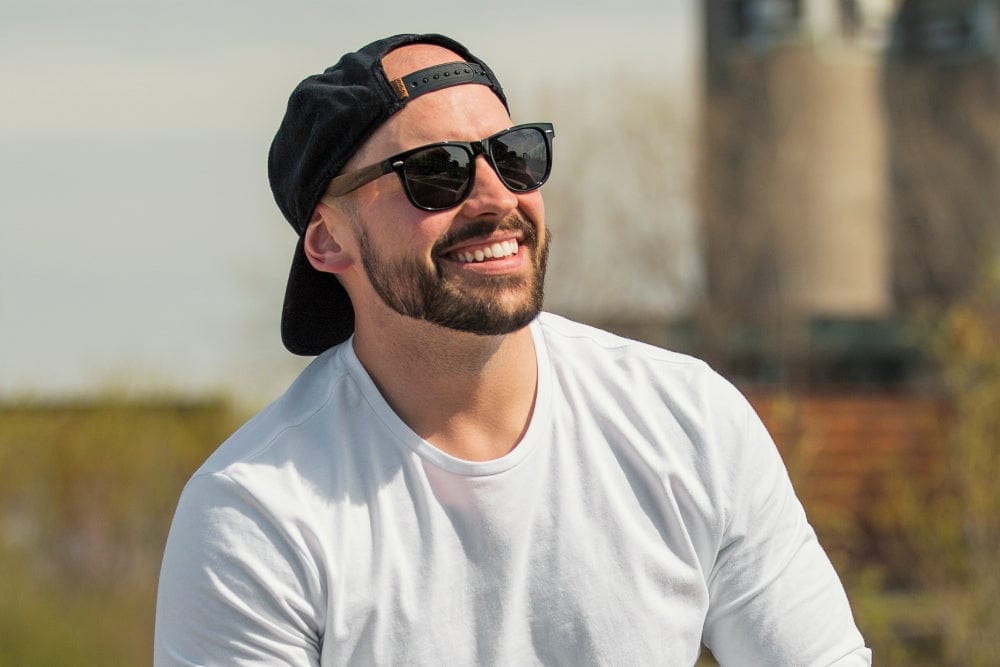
(329, 116)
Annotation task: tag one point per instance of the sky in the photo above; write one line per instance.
(140, 249)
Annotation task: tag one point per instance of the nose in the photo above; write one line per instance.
(489, 196)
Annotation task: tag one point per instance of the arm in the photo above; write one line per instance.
(234, 588)
(775, 597)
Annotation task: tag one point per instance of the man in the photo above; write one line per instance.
(458, 479)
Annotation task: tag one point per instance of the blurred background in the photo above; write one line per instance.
(806, 193)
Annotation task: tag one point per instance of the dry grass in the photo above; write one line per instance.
(86, 496)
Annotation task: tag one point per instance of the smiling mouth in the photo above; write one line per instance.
(497, 250)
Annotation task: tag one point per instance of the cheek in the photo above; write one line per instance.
(389, 217)
(533, 207)
(404, 231)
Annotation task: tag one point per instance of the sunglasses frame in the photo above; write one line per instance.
(351, 181)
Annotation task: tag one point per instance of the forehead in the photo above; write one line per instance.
(460, 112)
(406, 59)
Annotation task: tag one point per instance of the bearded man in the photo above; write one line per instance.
(459, 478)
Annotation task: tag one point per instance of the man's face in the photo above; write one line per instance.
(478, 267)
(485, 303)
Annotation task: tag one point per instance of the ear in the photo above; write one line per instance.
(322, 248)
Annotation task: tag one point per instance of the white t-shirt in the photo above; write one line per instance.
(645, 510)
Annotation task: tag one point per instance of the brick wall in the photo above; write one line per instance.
(848, 453)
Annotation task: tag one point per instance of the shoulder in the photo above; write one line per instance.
(564, 331)
(282, 468)
(670, 419)
(303, 449)
(287, 419)
(634, 369)
(568, 339)
(673, 409)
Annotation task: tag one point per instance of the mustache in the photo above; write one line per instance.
(479, 228)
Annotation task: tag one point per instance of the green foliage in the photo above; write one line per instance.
(943, 532)
(86, 496)
(87, 493)
(969, 349)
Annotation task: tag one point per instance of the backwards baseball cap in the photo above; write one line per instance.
(329, 117)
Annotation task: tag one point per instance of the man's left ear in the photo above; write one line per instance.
(324, 251)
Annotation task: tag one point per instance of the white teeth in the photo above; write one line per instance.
(495, 251)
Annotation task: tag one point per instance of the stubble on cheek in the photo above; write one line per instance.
(415, 289)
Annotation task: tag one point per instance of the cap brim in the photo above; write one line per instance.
(317, 313)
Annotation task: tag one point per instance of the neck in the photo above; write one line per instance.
(471, 396)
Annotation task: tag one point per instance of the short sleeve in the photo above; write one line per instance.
(234, 589)
(775, 598)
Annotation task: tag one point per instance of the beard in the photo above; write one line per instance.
(412, 288)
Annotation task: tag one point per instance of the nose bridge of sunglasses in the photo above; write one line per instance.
(491, 162)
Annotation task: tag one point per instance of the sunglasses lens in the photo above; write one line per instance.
(437, 177)
(522, 158)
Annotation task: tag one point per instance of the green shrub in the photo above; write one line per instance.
(87, 492)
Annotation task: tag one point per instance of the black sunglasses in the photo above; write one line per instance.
(440, 176)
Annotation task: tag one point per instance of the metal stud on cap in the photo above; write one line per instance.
(441, 76)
